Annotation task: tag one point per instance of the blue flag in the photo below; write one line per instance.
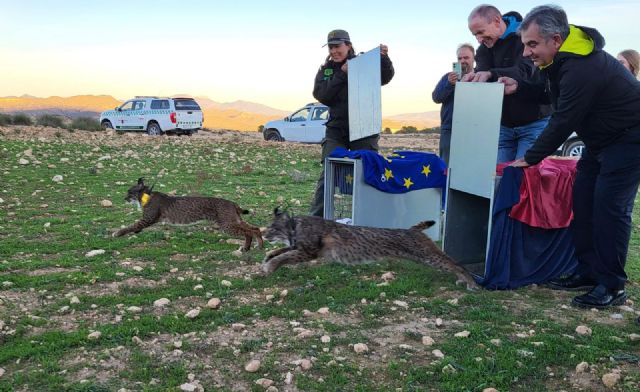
(343, 178)
(400, 172)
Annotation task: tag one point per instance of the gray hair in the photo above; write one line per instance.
(467, 46)
(487, 11)
(551, 19)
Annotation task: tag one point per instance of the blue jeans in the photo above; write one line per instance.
(514, 142)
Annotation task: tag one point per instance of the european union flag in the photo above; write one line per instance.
(400, 172)
(343, 178)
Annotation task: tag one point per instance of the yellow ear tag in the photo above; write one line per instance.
(145, 199)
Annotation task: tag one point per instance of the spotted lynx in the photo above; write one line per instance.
(160, 207)
(309, 237)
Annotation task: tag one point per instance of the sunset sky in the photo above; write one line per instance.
(260, 51)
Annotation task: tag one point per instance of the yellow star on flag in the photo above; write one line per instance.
(407, 182)
(349, 179)
(388, 174)
(426, 170)
(387, 159)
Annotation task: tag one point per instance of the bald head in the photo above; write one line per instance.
(486, 24)
(486, 11)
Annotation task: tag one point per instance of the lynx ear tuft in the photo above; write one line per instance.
(140, 181)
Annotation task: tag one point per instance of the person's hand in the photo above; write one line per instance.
(510, 85)
(345, 67)
(384, 49)
(481, 76)
(468, 77)
(519, 163)
(453, 78)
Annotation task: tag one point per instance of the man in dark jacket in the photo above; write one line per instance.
(593, 94)
(331, 88)
(500, 54)
(443, 94)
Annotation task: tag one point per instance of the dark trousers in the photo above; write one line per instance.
(603, 194)
(337, 138)
(444, 147)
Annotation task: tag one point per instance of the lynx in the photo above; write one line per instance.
(310, 237)
(160, 207)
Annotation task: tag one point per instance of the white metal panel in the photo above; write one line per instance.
(365, 105)
(475, 131)
(374, 208)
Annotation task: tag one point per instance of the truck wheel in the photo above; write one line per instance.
(573, 148)
(273, 135)
(153, 129)
(106, 124)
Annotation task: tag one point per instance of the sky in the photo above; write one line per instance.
(260, 51)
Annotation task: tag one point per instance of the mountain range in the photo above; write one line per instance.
(237, 115)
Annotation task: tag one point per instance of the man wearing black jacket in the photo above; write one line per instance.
(593, 94)
(500, 54)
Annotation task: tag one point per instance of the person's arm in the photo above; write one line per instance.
(328, 84)
(444, 89)
(527, 90)
(521, 69)
(386, 69)
(577, 92)
(533, 91)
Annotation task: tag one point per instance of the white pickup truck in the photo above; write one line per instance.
(155, 116)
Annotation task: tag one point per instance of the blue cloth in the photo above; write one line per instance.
(515, 141)
(401, 172)
(512, 26)
(520, 254)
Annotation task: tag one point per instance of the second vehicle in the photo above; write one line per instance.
(304, 125)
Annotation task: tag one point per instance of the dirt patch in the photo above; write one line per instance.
(103, 366)
(52, 270)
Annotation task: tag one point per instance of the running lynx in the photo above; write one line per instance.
(160, 207)
(310, 237)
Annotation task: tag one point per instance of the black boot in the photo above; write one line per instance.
(600, 297)
(572, 282)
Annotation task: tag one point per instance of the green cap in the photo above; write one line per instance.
(337, 37)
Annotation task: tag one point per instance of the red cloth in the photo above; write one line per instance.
(546, 194)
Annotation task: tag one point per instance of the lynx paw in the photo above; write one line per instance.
(471, 285)
(267, 268)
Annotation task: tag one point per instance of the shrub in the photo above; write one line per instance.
(22, 119)
(86, 123)
(407, 129)
(50, 120)
(5, 119)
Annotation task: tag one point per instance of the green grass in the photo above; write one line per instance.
(47, 227)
